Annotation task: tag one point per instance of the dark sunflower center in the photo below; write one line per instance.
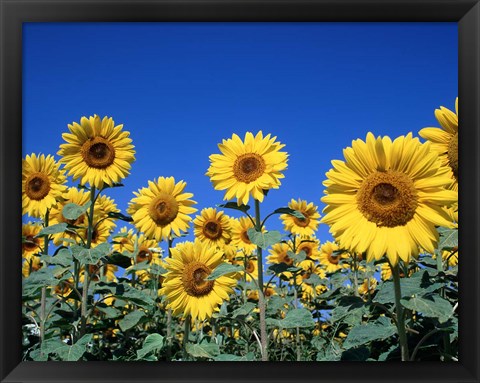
(144, 255)
(250, 267)
(453, 154)
(193, 279)
(63, 288)
(248, 167)
(98, 153)
(387, 198)
(30, 243)
(306, 249)
(268, 292)
(333, 259)
(163, 209)
(302, 222)
(244, 236)
(212, 230)
(287, 259)
(37, 186)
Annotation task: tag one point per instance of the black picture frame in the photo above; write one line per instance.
(15, 12)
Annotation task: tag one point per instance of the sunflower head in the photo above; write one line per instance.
(212, 227)
(162, 209)
(240, 237)
(444, 140)
(387, 197)
(31, 244)
(185, 286)
(301, 226)
(96, 151)
(42, 184)
(247, 168)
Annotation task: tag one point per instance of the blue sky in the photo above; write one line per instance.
(180, 88)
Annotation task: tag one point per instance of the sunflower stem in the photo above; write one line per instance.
(43, 299)
(446, 336)
(169, 313)
(295, 303)
(86, 273)
(186, 335)
(261, 296)
(355, 274)
(402, 334)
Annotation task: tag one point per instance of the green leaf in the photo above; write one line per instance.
(287, 210)
(244, 310)
(76, 351)
(130, 320)
(350, 309)
(294, 318)
(448, 238)
(90, 256)
(264, 239)
(151, 344)
(278, 268)
(222, 269)
(119, 259)
(109, 311)
(313, 280)
(72, 211)
(35, 281)
(204, 350)
(234, 358)
(51, 346)
(301, 256)
(235, 206)
(365, 333)
(120, 216)
(62, 258)
(431, 307)
(359, 354)
(54, 229)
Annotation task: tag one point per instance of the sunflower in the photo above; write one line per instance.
(149, 252)
(247, 167)
(387, 198)
(31, 264)
(124, 241)
(162, 208)
(97, 152)
(31, 243)
(42, 184)
(330, 261)
(104, 205)
(444, 140)
(99, 272)
(279, 254)
(185, 286)
(301, 226)
(310, 246)
(212, 227)
(240, 235)
(100, 233)
(368, 286)
(452, 257)
(64, 288)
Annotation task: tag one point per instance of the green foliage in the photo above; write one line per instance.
(223, 269)
(72, 211)
(365, 333)
(130, 320)
(264, 239)
(295, 318)
(151, 344)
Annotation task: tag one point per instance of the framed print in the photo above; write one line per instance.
(264, 190)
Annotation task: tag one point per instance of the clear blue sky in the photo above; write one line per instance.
(180, 88)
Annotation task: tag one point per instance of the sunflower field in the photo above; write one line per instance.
(102, 284)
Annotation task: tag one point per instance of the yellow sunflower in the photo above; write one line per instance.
(330, 261)
(162, 208)
(452, 257)
(247, 168)
(368, 286)
(445, 139)
(240, 235)
(306, 226)
(124, 241)
(31, 244)
(279, 254)
(310, 246)
(42, 184)
(100, 233)
(212, 227)
(185, 286)
(31, 264)
(97, 152)
(103, 206)
(149, 252)
(387, 198)
(64, 288)
(99, 272)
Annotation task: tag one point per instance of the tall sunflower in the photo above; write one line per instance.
(387, 198)
(185, 286)
(240, 235)
(162, 208)
(96, 151)
(445, 139)
(247, 168)
(330, 261)
(301, 226)
(42, 184)
(279, 254)
(31, 244)
(212, 227)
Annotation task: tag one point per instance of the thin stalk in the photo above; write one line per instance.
(43, 299)
(446, 336)
(186, 335)
(169, 313)
(86, 273)
(297, 337)
(400, 317)
(355, 274)
(261, 296)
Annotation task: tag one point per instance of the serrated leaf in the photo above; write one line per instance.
(301, 256)
(119, 260)
(151, 344)
(76, 351)
(130, 320)
(287, 210)
(365, 333)
(53, 229)
(359, 354)
(90, 256)
(62, 258)
(244, 310)
(264, 239)
(72, 211)
(294, 318)
(234, 358)
(235, 206)
(203, 350)
(448, 238)
(109, 311)
(278, 268)
(431, 307)
(223, 269)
